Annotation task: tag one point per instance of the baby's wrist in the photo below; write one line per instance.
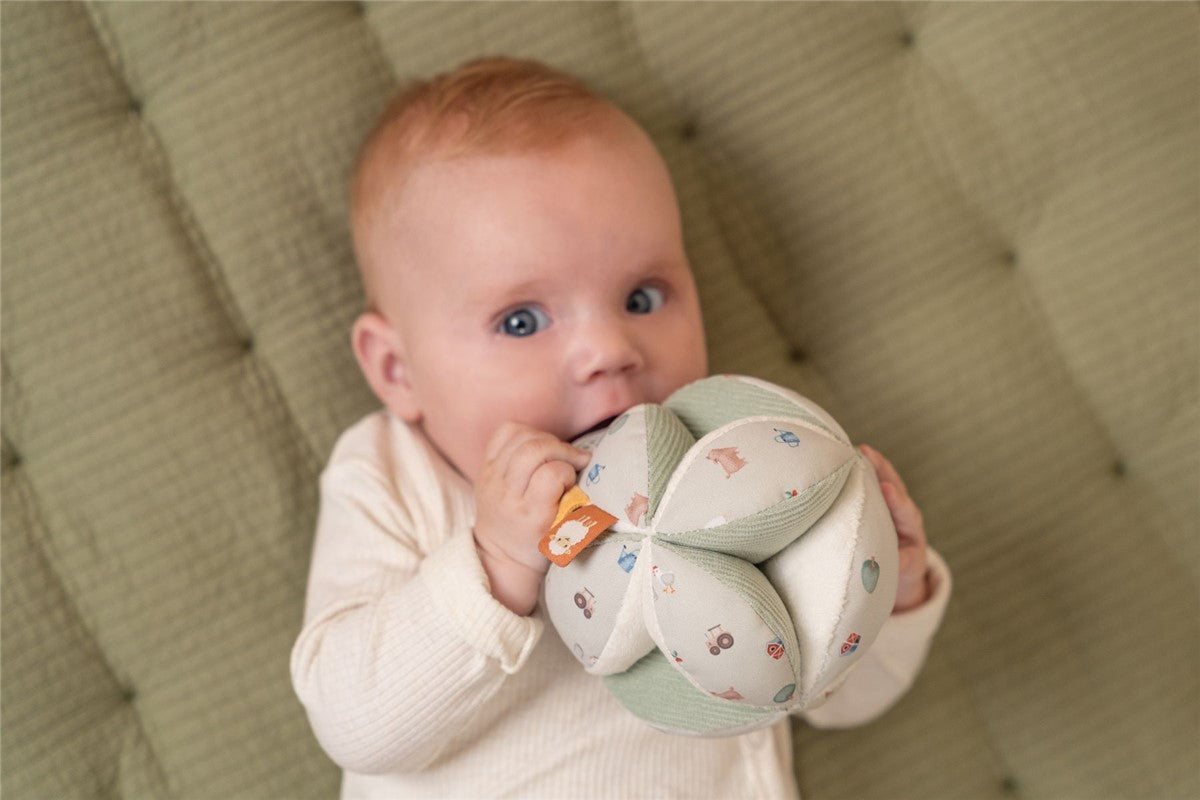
(514, 583)
(913, 596)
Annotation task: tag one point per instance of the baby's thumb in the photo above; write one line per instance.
(550, 480)
(579, 459)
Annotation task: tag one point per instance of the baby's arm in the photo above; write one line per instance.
(516, 494)
(402, 646)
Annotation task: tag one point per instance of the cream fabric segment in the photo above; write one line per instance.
(886, 672)
(610, 483)
(743, 467)
(596, 606)
(823, 604)
(718, 594)
(759, 535)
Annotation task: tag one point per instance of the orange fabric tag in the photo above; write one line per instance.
(576, 525)
(572, 500)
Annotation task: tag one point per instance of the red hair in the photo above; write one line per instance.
(486, 106)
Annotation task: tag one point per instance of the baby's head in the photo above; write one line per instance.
(521, 251)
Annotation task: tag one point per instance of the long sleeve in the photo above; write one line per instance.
(889, 668)
(402, 643)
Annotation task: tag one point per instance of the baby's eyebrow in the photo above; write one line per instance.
(503, 295)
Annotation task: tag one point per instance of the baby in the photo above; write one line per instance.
(521, 251)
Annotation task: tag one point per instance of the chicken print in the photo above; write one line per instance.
(664, 579)
(727, 458)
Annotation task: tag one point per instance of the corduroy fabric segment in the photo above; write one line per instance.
(967, 230)
(708, 406)
(667, 441)
(649, 682)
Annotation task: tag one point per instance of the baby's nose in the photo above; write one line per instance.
(606, 348)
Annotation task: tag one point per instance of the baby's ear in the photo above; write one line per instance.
(380, 353)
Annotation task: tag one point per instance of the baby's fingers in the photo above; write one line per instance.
(547, 484)
(906, 516)
(538, 451)
(883, 468)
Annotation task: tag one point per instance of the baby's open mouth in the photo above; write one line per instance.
(601, 425)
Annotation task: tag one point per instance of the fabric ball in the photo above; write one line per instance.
(752, 563)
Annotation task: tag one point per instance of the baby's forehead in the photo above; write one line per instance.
(397, 156)
(409, 192)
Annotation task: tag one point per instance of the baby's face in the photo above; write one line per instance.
(550, 289)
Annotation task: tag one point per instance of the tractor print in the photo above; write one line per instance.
(719, 639)
(586, 601)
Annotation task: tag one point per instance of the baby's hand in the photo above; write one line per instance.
(910, 530)
(525, 473)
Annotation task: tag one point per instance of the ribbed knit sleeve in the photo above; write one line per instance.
(402, 643)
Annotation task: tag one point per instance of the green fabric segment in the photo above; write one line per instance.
(667, 440)
(707, 405)
(656, 692)
(757, 537)
(750, 584)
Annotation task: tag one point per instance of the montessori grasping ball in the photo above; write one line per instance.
(741, 557)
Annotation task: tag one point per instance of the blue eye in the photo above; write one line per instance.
(644, 300)
(523, 322)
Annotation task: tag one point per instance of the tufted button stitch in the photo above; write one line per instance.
(797, 354)
(1009, 785)
(1010, 257)
(10, 454)
(135, 106)
(908, 39)
(1118, 468)
(690, 130)
(248, 345)
(129, 695)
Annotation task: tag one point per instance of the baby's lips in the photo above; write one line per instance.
(600, 424)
